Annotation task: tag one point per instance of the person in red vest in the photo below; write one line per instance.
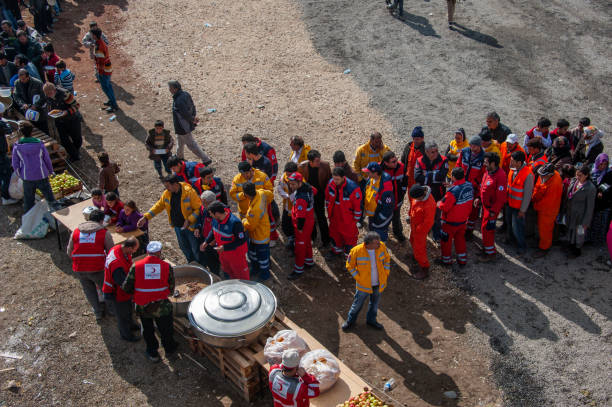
(118, 263)
(151, 280)
(290, 385)
(456, 207)
(230, 241)
(471, 161)
(395, 169)
(343, 203)
(423, 214)
(87, 247)
(492, 196)
(520, 188)
(303, 218)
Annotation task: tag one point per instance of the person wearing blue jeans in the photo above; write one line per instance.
(188, 243)
(369, 263)
(29, 193)
(520, 188)
(517, 227)
(107, 88)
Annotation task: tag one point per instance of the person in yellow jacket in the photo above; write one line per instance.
(299, 150)
(282, 188)
(182, 204)
(372, 151)
(248, 173)
(257, 225)
(454, 148)
(369, 263)
(489, 145)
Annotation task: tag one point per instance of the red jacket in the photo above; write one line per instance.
(116, 259)
(292, 391)
(537, 160)
(88, 251)
(343, 203)
(399, 181)
(151, 280)
(268, 151)
(303, 208)
(493, 191)
(456, 205)
(473, 166)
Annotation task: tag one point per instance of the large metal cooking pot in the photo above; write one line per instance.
(199, 274)
(232, 313)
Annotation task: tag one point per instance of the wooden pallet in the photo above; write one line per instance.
(239, 366)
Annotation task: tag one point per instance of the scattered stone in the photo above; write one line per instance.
(72, 335)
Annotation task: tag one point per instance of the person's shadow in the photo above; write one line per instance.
(476, 35)
(418, 23)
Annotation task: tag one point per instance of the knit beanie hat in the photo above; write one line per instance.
(476, 141)
(418, 132)
(417, 191)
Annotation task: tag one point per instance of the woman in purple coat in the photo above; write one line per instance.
(128, 217)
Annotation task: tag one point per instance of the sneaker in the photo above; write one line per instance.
(111, 109)
(346, 326)
(9, 201)
(153, 358)
(293, 275)
(375, 325)
(486, 258)
(442, 263)
(359, 225)
(108, 104)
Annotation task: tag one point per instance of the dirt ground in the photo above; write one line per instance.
(519, 333)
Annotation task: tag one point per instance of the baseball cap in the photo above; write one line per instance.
(296, 176)
(512, 138)
(372, 167)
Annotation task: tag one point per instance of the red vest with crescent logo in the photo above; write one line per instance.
(115, 259)
(88, 253)
(151, 280)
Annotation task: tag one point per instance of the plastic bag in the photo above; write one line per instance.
(323, 365)
(283, 340)
(16, 187)
(33, 223)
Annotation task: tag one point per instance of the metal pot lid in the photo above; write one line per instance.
(232, 308)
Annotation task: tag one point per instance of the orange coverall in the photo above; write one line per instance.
(422, 214)
(546, 200)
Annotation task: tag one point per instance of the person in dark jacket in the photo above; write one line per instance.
(21, 61)
(499, 132)
(69, 123)
(202, 228)
(580, 204)
(601, 176)
(317, 173)
(5, 163)
(32, 163)
(159, 142)
(339, 160)
(185, 121)
(7, 70)
(30, 48)
(559, 153)
(589, 146)
(29, 94)
(431, 170)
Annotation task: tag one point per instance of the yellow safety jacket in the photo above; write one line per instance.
(303, 154)
(358, 264)
(371, 193)
(256, 222)
(366, 155)
(455, 148)
(493, 148)
(190, 204)
(261, 181)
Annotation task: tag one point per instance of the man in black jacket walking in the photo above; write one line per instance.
(185, 121)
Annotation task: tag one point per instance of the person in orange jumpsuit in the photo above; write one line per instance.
(546, 200)
(412, 152)
(422, 214)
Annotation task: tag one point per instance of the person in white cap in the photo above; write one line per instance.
(5, 163)
(151, 280)
(290, 384)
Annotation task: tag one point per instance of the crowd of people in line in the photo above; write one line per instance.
(497, 181)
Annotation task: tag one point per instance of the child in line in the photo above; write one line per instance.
(49, 59)
(128, 217)
(108, 181)
(112, 208)
(159, 143)
(98, 198)
(64, 78)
